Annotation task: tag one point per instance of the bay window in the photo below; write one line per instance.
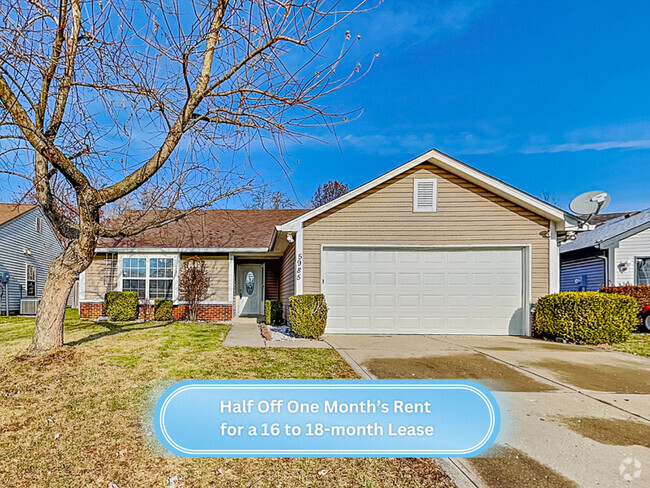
(151, 277)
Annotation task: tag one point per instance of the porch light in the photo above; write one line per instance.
(289, 236)
(623, 266)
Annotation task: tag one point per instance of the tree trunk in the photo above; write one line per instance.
(63, 273)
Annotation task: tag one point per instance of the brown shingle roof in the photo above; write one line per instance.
(9, 211)
(211, 228)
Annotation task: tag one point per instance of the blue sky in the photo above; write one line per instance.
(552, 97)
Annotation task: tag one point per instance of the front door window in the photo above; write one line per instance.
(250, 283)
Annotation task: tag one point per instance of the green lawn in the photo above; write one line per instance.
(638, 344)
(81, 416)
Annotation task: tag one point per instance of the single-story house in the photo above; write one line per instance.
(28, 245)
(615, 252)
(433, 246)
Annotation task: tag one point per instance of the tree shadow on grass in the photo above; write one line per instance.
(113, 329)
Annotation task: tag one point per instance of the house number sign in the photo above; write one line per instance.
(299, 267)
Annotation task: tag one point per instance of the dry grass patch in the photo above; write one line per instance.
(506, 466)
(615, 432)
(81, 416)
(638, 344)
(497, 376)
(600, 377)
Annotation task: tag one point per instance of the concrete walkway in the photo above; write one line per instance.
(533, 422)
(245, 332)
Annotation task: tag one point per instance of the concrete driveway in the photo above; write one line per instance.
(571, 415)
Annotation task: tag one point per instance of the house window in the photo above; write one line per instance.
(642, 271)
(150, 277)
(38, 224)
(30, 280)
(161, 278)
(134, 274)
(110, 271)
(425, 194)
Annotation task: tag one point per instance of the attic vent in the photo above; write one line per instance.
(425, 195)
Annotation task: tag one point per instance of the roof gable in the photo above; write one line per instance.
(455, 167)
(9, 211)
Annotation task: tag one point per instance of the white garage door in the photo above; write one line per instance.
(424, 291)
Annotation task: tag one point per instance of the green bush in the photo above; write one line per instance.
(273, 312)
(121, 305)
(162, 310)
(308, 315)
(586, 317)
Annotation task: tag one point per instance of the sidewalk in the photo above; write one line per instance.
(245, 332)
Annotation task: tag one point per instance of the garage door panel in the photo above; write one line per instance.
(336, 301)
(410, 291)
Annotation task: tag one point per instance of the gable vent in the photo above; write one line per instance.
(425, 195)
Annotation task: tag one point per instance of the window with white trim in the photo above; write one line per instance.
(38, 225)
(30, 280)
(642, 275)
(161, 278)
(425, 194)
(151, 277)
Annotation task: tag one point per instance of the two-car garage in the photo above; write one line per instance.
(426, 290)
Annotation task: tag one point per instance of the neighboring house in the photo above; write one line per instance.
(616, 252)
(28, 245)
(433, 246)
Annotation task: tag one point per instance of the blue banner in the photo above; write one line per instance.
(327, 418)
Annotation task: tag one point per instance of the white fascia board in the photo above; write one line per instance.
(454, 166)
(168, 250)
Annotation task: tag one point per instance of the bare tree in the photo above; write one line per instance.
(193, 284)
(264, 199)
(551, 198)
(116, 98)
(327, 192)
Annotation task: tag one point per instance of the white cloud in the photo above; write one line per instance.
(417, 143)
(587, 146)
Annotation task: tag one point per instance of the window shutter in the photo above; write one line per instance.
(425, 195)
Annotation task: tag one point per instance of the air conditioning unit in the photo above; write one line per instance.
(29, 306)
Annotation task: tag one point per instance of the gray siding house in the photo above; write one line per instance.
(616, 252)
(28, 245)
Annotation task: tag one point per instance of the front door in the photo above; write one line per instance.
(251, 289)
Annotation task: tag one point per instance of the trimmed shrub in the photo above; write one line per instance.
(586, 317)
(308, 315)
(162, 310)
(273, 312)
(121, 305)
(640, 292)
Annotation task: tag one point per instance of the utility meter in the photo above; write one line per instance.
(4, 277)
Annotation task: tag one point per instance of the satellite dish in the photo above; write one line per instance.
(589, 203)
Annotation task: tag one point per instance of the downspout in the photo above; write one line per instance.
(604, 258)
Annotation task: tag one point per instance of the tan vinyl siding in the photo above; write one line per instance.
(287, 285)
(466, 215)
(95, 285)
(217, 267)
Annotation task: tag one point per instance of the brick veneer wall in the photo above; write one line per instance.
(211, 313)
(91, 310)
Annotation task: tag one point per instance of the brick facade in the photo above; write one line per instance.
(91, 310)
(210, 313)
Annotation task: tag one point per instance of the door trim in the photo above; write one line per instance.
(526, 261)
